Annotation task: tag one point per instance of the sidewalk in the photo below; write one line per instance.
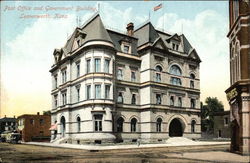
(169, 142)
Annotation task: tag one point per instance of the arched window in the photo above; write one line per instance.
(78, 124)
(192, 77)
(175, 70)
(193, 126)
(158, 70)
(158, 124)
(133, 124)
(120, 98)
(120, 124)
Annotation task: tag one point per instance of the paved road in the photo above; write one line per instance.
(31, 153)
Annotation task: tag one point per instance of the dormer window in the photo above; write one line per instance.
(173, 46)
(126, 49)
(78, 43)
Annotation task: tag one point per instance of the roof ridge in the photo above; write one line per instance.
(89, 20)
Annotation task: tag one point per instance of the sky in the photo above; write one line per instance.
(28, 42)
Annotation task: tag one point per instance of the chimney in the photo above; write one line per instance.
(4, 116)
(14, 116)
(130, 29)
(38, 113)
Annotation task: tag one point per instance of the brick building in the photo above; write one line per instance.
(111, 86)
(222, 125)
(34, 127)
(238, 93)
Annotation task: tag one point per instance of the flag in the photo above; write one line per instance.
(158, 7)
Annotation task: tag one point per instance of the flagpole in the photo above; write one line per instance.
(163, 6)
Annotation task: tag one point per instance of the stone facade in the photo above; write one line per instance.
(238, 93)
(115, 87)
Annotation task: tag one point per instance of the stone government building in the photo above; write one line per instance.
(115, 87)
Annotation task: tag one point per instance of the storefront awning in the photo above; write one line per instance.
(53, 127)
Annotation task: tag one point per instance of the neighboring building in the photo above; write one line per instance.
(113, 87)
(238, 93)
(7, 124)
(222, 128)
(34, 127)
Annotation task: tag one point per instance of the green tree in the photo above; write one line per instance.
(212, 105)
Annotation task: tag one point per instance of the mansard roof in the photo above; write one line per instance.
(146, 34)
(92, 30)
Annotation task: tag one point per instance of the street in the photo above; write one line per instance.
(31, 153)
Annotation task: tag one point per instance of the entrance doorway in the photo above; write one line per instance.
(235, 136)
(175, 128)
(63, 126)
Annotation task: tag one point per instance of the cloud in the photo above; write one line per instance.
(26, 62)
(119, 19)
(207, 34)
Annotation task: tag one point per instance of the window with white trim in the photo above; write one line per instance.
(97, 65)
(97, 91)
(98, 122)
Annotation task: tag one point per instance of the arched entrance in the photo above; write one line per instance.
(63, 126)
(175, 128)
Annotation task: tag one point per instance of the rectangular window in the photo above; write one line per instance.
(177, 47)
(97, 65)
(55, 101)
(32, 121)
(41, 121)
(106, 65)
(107, 91)
(173, 46)
(180, 102)
(226, 121)
(41, 133)
(88, 66)
(78, 93)
(98, 91)
(64, 98)
(133, 100)
(88, 95)
(158, 98)
(64, 76)
(191, 84)
(172, 100)
(126, 49)
(98, 122)
(192, 101)
(119, 74)
(55, 81)
(158, 77)
(133, 77)
(77, 70)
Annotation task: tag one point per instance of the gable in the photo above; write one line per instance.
(193, 54)
(159, 44)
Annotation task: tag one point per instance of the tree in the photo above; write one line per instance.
(48, 112)
(212, 106)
